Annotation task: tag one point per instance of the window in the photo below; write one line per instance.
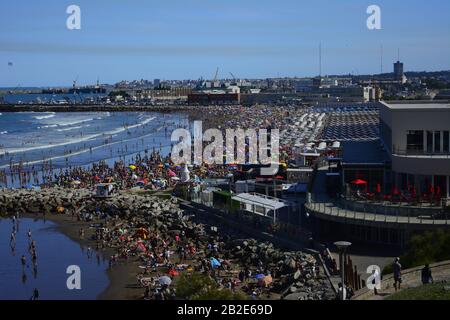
(437, 141)
(414, 141)
(429, 142)
(446, 145)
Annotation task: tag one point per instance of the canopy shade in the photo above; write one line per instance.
(359, 182)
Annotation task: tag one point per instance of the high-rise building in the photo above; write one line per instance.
(398, 71)
(156, 83)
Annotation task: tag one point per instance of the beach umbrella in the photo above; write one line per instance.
(76, 182)
(378, 188)
(141, 248)
(359, 182)
(395, 191)
(173, 273)
(175, 179)
(165, 281)
(260, 276)
(266, 281)
(132, 167)
(215, 263)
(171, 173)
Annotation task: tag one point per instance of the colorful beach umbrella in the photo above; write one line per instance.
(359, 182)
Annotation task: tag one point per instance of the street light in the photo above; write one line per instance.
(342, 247)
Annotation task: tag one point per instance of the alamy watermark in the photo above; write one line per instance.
(374, 279)
(239, 146)
(374, 20)
(74, 280)
(73, 21)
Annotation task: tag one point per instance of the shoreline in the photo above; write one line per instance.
(120, 276)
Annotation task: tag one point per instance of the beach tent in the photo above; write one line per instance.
(215, 263)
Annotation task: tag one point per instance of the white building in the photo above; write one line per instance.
(417, 139)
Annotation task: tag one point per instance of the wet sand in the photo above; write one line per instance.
(122, 276)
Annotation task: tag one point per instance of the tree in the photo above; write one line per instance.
(428, 247)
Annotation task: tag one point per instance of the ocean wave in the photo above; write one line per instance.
(73, 141)
(82, 151)
(67, 124)
(3, 132)
(68, 129)
(48, 116)
(48, 126)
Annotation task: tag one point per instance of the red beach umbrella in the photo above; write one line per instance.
(359, 182)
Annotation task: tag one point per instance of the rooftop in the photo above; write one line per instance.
(419, 106)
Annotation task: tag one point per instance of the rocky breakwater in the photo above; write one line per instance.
(298, 274)
(60, 200)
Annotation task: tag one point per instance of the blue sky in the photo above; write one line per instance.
(187, 39)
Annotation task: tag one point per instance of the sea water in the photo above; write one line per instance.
(80, 138)
(55, 253)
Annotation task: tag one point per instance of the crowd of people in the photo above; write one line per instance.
(32, 253)
(163, 257)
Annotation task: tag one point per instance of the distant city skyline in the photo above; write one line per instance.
(189, 39)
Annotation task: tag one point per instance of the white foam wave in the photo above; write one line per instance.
(48, 116)
(48, 126)
(85, 138)
(68, 129)
(82, 151)
(68, 124)
(3, 132)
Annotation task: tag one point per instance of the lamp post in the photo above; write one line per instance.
(342, 247)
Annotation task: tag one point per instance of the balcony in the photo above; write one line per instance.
(420, 154)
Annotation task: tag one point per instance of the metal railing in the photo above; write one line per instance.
(346, 210)
(421, 153)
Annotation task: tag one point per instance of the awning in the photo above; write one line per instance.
(261, 201)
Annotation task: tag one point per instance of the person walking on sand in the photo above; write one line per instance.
(24, 261)
(29, 234)
(397, 270)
